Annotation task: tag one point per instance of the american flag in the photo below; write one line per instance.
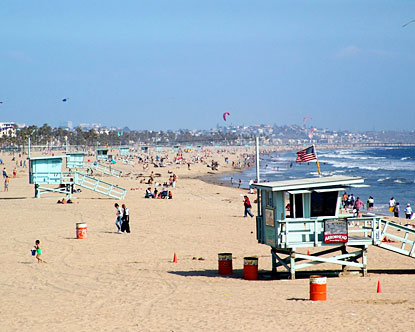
(306, 155)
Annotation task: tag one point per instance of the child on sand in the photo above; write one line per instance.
(38, 252)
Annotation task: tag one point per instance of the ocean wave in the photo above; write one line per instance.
(395, 165)
(352, 157)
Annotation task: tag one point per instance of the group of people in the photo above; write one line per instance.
(355, 203)
(163, 194)
(123, 218)
(395, 209)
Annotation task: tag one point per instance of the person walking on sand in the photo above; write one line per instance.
(247, 205)
(38, 252)
(125, 226)
(6, 183)
(118, 221)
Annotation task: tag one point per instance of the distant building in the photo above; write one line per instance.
(66, 125)
(7, 129)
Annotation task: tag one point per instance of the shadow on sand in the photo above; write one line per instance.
(267, 275)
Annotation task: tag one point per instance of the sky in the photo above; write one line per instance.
(174, 64)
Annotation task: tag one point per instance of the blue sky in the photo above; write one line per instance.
(182, 64)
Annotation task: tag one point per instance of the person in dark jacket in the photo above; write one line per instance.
(125, 226)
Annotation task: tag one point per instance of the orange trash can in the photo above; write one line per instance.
(81, 231)
(251, 268)
(225, 264)
(318, 288)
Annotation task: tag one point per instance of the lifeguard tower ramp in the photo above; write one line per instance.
(305, 213)
(107, 170)
(48, 171)
(99, 186)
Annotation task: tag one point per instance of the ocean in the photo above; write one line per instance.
(389, 172)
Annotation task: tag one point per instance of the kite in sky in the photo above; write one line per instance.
(225, 115)
(403, 26)
(305, 119)
(65, 100)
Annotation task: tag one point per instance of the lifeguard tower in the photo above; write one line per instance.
(102, 154)
(298, 214)
(124, 150)
(75, 160)
(49, 171)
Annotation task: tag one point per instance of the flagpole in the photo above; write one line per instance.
(318, 164)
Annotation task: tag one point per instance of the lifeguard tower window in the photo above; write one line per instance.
(323, 204)
(296, 206)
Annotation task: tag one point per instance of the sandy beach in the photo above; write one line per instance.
(128, 282)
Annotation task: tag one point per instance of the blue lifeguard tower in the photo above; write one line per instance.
(124, 150)
(75, 160)
(49, 171)
(306, 213)
(102, 154)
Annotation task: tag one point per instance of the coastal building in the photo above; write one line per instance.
(7, 129)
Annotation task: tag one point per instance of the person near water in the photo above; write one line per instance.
(396, 210)
(4, 173)
(239, 183)
(247, 205)
(358, 205)
(345, 197)
(370, 203)
(38, 252)
(408, 211)
(125, 226)
(392, 204)
(118, 214)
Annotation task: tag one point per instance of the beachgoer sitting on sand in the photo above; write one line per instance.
(170, 195)
(149, 194)
(164, 193)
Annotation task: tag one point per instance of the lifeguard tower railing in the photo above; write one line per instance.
(363, 231)
(66, 181)
(104, 169)
(306, 213)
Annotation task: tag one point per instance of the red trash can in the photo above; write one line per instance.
(81, 231)
(251, 268)
(225, 264)
(318, 288)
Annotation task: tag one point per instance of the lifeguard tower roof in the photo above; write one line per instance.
(309, 183)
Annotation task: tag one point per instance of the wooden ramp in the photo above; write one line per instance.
(108, 170)
(99, 186)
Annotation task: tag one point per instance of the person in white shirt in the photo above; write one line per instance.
(408, 211)
(118, 221)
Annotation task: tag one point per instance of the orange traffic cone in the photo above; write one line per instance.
(175, 258)
(379, 288)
